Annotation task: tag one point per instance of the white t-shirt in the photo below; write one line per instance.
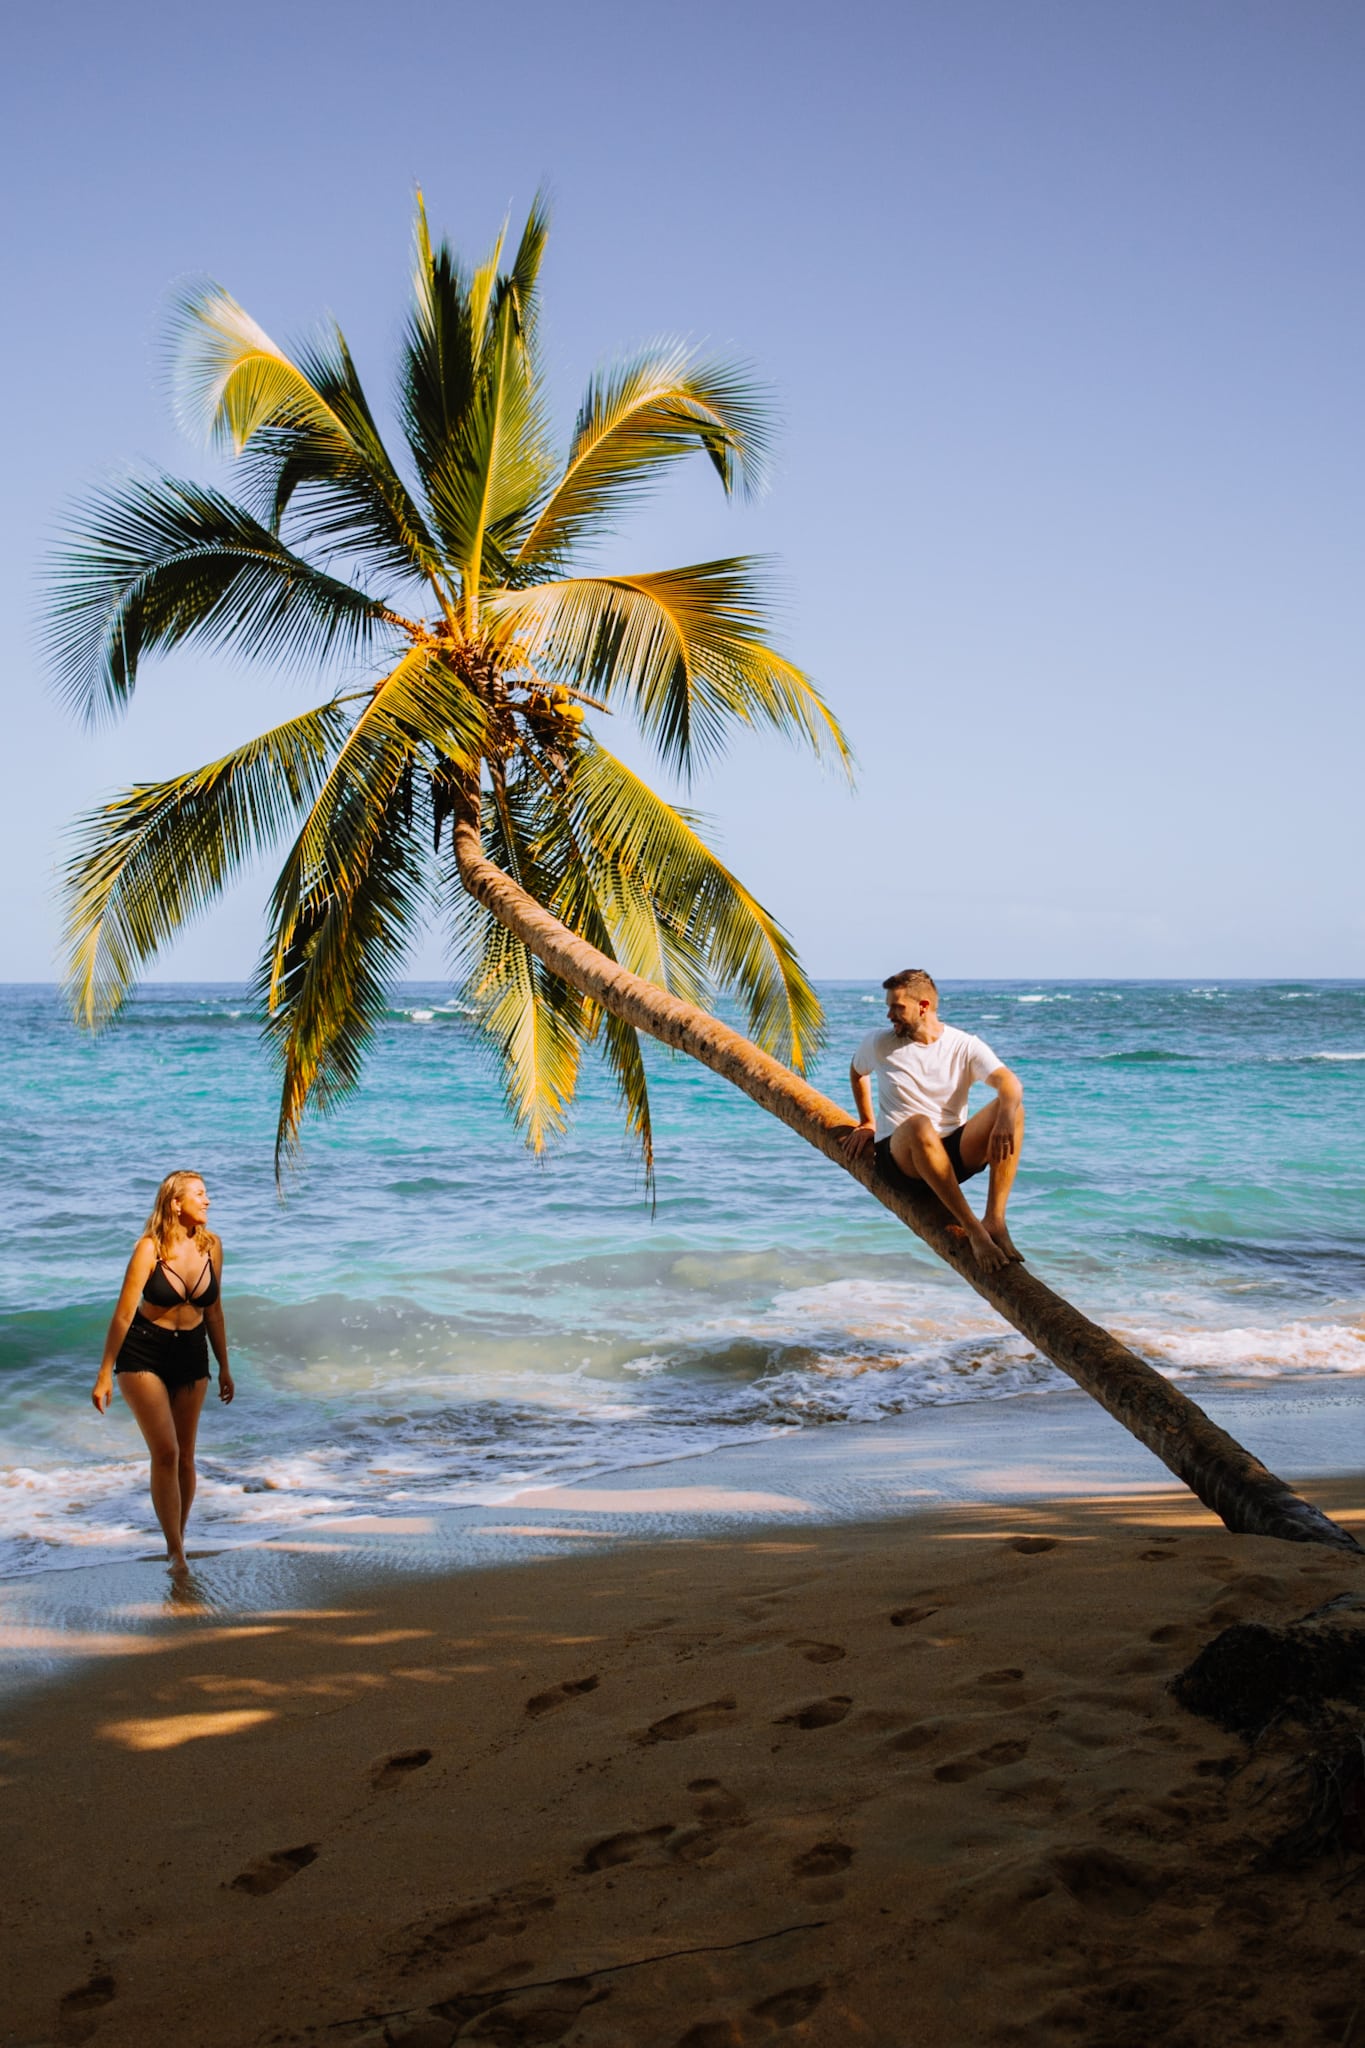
(924, 1080)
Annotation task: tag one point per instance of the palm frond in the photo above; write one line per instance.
(698, 902)
(535, 1022)
(636, 419)
(618, 919)
(532, 1022)
(624, 1056)
(440, 354)
(146, 864)
(331, 959)
(159, 562)
(303, 425)
(682, 645)
(422, 711)
(471, 397)
(498, 463)
(524, 277)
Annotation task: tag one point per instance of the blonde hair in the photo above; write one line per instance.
(162, 1220)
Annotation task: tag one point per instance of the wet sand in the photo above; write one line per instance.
(784, 1780)
(1041, 1447)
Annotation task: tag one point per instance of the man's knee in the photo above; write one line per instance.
(910, 1141)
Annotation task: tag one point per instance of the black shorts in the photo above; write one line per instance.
(952, 1145)
(179, 1358)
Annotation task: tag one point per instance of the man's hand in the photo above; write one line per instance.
(856, 1141)
(1003, 1139)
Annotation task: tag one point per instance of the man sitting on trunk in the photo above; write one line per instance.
(925, 1069)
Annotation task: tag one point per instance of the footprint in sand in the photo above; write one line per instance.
(918, 1736)
(822, 1859)
(1107, 1883)
(906, 1617)
(789, 2008)
(507, 2018)
(626, 1847)
(391, 1770)
(818, 1714)
(691, 1721)
(818, 1653)
(774, 2014)
(268, 1873)
(713, 1802)
(959, 1768)
(1009, 1674)
(97, 1990)
(691, 1844)
(560, 1695)
(1029, 1546)
(507, 1913)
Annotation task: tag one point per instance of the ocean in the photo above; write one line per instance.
(433, 1318)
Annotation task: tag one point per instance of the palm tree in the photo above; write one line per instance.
(463, 777)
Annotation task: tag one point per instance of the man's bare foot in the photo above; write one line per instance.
(1000, 1232)
(988, 1254)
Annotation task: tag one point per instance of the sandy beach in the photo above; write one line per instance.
(677, 911)
(773, 1779)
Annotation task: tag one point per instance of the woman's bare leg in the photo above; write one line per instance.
(150, 1402)
(186, 1407)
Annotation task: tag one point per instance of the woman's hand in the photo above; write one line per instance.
(102, 1393)
(226, 1385)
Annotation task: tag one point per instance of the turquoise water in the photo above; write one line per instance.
(433, 1318)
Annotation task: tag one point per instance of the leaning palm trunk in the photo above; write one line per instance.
(1237, 1487)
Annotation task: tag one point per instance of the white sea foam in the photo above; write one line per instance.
(1336, 1055)
(1272, 1351)
(465, 1422)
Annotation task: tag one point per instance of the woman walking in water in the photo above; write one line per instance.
(168, 1313)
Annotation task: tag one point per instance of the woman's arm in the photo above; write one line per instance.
(217, 1328)
(130, 1294)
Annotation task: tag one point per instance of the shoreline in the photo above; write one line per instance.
(1033, 1449)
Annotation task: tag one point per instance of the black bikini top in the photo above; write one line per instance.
(165, 1289)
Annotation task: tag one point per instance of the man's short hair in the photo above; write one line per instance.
(917, 981)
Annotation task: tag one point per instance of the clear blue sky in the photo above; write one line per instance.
(1063, 305)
